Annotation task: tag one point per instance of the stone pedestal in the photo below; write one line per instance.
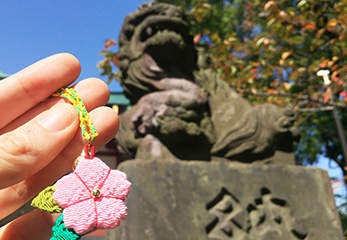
(216, 201)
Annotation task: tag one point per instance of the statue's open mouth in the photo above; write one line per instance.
(163, 31)
(165, 38)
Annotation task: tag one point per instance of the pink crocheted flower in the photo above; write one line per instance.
(92, 196)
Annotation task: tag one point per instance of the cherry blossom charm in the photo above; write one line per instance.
(92, 196)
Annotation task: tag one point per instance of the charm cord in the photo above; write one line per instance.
(89, 132)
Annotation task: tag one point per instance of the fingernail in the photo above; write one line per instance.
(57, 118)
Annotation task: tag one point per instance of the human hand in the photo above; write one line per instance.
(40, 139)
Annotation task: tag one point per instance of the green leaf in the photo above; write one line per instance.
(45, 202)
(301, 3)
(61, 232)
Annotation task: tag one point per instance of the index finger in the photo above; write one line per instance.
(27, 88)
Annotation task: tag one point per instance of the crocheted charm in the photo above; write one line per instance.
(92, 196)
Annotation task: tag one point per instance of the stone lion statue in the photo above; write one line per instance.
(181, 109)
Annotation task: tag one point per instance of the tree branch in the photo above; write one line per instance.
(321, 109)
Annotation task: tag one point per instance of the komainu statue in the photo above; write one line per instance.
(181, 109)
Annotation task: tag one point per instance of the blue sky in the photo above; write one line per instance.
(32, 30)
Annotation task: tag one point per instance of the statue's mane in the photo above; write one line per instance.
(151, 44)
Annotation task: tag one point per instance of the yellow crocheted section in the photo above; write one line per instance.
(45, 201)
(88, 130)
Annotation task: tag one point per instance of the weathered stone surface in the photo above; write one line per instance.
(198, 200)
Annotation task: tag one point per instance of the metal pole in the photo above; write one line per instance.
(341, 135)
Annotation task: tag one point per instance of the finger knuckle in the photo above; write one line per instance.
(18, 148)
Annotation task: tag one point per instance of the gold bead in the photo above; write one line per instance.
(95, 193)
(78, 160)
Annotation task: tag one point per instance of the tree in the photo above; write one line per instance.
(283, 52)
(278, 52)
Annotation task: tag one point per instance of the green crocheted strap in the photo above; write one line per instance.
(88, 130)
(45, 201)
(60, 232)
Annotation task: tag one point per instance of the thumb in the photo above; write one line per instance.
(32, 146)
